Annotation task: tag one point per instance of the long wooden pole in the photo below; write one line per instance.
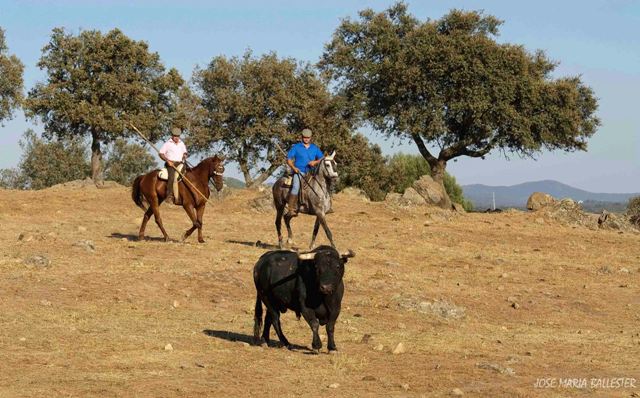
(178, 171)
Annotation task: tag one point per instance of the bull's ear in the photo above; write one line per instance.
(306, 256)
(346, 255)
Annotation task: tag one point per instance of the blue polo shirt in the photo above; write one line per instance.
(302, 156)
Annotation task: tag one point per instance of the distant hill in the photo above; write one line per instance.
(517, 195)
(233, 182)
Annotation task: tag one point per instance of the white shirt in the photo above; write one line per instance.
(172, 151)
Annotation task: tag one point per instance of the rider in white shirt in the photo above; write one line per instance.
(174, 153)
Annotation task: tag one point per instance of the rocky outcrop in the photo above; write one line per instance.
(538, 200)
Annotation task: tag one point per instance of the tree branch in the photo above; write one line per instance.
(424, 151)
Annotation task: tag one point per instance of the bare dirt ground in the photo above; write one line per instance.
(484, 304)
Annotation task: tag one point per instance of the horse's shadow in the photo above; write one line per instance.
(254, 244)
(244, 338)
(134, 238)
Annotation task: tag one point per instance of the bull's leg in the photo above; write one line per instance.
(316, 227)
(275, 319)
(310, 316)
(327, 231)
(279, 213)
(331, 344)
(145, 220)
(156, 215)
(257, 320)
(200, 214)
(191, 212)
(267, 328)
(287, 222)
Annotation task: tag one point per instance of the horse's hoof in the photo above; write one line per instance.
(316, 351)
(200, 240)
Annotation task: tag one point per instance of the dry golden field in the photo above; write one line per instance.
(484, 304)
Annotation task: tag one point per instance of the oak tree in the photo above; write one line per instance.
(448, 86)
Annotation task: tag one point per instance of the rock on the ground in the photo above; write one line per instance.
(354, 192)
(432, 192)
(538, 200)
(87, 245)
(400, 349)
(38, 261)
(412, 197)
(263, 203)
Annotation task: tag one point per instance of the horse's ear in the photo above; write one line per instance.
(221, 157)
(330, 157)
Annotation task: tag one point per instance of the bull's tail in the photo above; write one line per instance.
(136, 194)
(257, 320)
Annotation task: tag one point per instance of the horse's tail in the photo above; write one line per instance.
(136, 194)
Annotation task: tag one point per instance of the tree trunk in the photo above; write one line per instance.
(263, 176)
(96, 160)
(438, 169)
(244, 168)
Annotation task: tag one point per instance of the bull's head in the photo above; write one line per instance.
(329, 266)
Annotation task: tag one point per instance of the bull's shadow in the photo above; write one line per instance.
(245, 338)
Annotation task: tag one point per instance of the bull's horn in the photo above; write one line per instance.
(348, 253)
(306, 256)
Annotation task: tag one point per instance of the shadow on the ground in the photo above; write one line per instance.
(244, 338)
(134, 238)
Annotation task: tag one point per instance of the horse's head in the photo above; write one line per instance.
(216, 170)
(328, 167)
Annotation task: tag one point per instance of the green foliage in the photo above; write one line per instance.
(405, 169)
(47, 162)
(11, 70)
(633, 211)
(447, 82)
(11, 179)
(455, 192)
(97, 83)
(253, 105)
(125, 161)
(360, 164)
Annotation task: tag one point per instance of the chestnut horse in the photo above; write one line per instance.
(148, 187)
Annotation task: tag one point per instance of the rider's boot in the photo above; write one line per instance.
(293, 205)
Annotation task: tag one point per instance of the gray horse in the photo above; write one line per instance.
(316, 199)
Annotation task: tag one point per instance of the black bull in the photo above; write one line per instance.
(306, 283)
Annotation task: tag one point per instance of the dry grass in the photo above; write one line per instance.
(97, 323)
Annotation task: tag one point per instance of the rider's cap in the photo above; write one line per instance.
(176, 132)
(306, 133)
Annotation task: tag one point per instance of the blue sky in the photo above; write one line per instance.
(598, 40)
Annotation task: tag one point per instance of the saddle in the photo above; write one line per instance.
(164, 173)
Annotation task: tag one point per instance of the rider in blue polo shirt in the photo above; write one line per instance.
(302, 157)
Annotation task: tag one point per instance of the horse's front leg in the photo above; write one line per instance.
(316, 227)
(279, 212)
(191, 212)
(287, 222)
(327, 231)
(200, 214)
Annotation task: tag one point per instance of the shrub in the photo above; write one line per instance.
(633, 211)
(49, 162)
(126, 161)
